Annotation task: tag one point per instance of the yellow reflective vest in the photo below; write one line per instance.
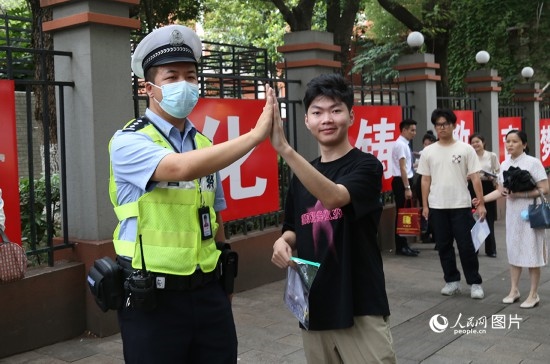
(167, 218)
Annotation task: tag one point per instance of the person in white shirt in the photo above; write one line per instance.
(402, 171)
(445, 167)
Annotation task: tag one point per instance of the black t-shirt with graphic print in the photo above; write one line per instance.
(350, 281)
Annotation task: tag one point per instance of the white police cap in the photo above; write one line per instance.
(169, 44)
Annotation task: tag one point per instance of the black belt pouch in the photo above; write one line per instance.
(106, 284)
(229, 260)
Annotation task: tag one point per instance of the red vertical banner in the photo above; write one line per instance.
(464, 125)
(374, 130)
(9, 174)
(545, 142)
(251, 184)
(505, 124)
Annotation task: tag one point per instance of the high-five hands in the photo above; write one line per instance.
(278, 139)
(265, 121)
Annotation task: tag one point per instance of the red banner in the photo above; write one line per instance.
(9, 181)
(506, 124)
(374, 130)
(545, 142)
(251, 184)
(464, 125)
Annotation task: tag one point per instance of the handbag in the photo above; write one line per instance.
(539, 214)
(408, 221)
(13, 260)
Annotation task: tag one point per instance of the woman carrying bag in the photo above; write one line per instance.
(526, 247)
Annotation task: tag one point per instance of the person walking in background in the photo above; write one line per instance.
(166, 191)
(2, 214)
(526, 247)
(332, 212)
(445, 167)
(402, 171)
(489, 170)
(427, 139)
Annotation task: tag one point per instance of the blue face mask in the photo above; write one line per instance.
(178, 98)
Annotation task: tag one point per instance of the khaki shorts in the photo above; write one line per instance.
(369, 340)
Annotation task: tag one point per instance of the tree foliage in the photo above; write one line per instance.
(339, 18)
(515, 36)
(254, 23)
(155, 13)
(514, 33)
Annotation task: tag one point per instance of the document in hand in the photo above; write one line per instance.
(298, 283)
(479, 232)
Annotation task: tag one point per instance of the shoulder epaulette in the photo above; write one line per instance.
(136, 125)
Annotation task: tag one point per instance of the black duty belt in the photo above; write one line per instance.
(176, 282)
(186, 283)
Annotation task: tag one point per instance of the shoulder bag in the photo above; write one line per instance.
(539, 214)
(13, 260)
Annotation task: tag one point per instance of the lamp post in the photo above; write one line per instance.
(482, 57)
(482, 84)
(527, 73)
(415, 40)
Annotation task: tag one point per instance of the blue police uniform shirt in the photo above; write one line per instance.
(134, 158)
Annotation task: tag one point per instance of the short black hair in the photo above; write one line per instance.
(448, 114)
(429, 136)
(406, 123)
(331, 85)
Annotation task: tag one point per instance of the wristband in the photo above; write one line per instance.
(407, 187)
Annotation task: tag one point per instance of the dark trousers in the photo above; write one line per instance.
(186, 327)
(455, 224)
(491, 207)
(399, 195)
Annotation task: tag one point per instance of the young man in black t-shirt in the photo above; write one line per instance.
(332, 213)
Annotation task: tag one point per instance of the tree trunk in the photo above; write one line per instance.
(44, 95)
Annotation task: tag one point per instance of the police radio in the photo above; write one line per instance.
(140, 286)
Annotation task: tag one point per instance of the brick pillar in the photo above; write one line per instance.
(527, 95)
(307, 54)
(98, 35)
(417, 74)
(483, 84)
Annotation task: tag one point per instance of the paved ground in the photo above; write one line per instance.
(268, 333)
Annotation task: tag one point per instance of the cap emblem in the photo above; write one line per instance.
(176, 38)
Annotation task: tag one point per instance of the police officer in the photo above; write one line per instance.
(167, 195)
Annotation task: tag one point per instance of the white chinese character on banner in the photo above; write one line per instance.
(363, 143)
(236, 190)
(384, 136)
(461, 133)
(545, 142)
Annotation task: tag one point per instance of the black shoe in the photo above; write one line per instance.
(491, 255)
(415, 250)
(406, 251)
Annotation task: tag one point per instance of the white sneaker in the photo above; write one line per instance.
(477, 291)
(451, 288)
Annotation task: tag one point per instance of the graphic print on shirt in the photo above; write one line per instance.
(319, 218)
(457, 158)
